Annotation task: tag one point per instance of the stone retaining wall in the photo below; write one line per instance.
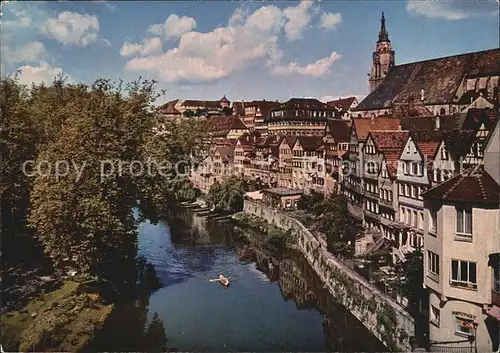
(385, 318)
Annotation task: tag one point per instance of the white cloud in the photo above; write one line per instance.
(201, 57)
(174, 26)
(316, 69)
(452, 9)
(248, 38)
(27, 53)
(72, 28)
(237, 18)
(298, 18)
(38, 74)
(330, 20)
(106, 42)
(149, 46)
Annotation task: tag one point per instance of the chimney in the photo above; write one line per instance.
(437, 123)
(422, 94)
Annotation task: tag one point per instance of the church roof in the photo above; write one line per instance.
(363, 126)
(438, 78)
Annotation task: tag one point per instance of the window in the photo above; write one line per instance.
(435, 317)
(407, 190)
(444, 153)
(401, 189)
(464, 221)
(414, 168)
(390, 195)
(432, 263)
(463, 274)
(415, 219)
(421, 223)
(433, 220)
(464, 327)
(405, 168)
(414, 191)
(402, 216)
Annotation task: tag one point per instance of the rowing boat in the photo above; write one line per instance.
(224, 281)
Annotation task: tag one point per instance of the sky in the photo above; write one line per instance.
(242, 49)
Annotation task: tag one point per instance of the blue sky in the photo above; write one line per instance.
(245, 50)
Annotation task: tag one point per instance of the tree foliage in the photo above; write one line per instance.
(410, 279)
(227, 196)
(111, 164)
(311, 202)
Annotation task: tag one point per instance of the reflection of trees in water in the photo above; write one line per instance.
(127, 330)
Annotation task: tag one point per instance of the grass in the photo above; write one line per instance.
(62, 320)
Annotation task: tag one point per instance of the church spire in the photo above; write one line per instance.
(383, 35)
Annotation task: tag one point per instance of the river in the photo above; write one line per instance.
(283, 309)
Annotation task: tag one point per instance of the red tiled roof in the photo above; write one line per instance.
(389, 140)
(339, 129)
(474, 185)
(439, 79)
(220, 126)
(290, 140)
(310, 143)
(428, 141)
(226, 153)
(391, 161)
(344, 103)
(364, 126)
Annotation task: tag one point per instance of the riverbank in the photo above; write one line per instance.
(386, 319)
(64, 319)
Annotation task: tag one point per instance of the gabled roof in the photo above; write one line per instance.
(226, 153)
(221, 125)
(427, 142)
(439, 78)
(474, 185)
(310, 143)
(458, 142)
(363, 126)
(476, 117)
(339, 129)
(391, 158)
(389, 140)
(224, 100)
(343, 103)
(290, 140)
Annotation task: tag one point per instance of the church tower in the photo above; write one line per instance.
(383, 57)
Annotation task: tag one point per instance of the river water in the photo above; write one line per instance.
(282, 309)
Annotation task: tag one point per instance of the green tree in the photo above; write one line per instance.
(311, 202)
(410, 279)
(188, 113)
(227, 196)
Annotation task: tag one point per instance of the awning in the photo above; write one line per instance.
(494, 312)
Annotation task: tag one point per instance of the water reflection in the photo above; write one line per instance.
(275, 301)
(298, 282)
